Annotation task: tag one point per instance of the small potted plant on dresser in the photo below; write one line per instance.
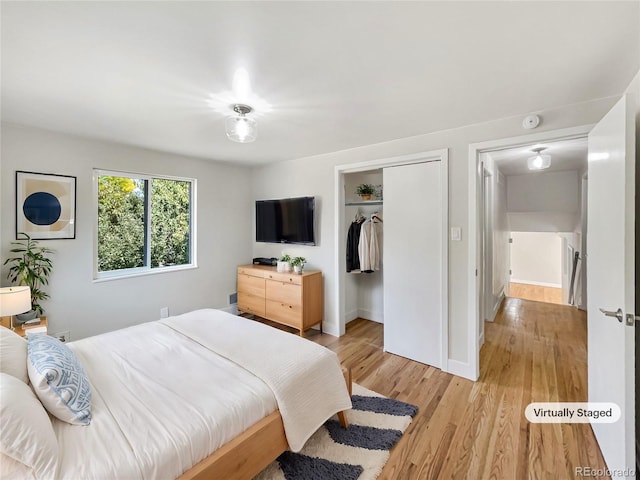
(31, 267)
(365, 190)
(298, 263)
(284, 265)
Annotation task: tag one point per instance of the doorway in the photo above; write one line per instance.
(519, 218)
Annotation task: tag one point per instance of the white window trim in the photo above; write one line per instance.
(145, 270)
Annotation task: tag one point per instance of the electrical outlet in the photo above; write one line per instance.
(62, 336)
(233, 298)
(164, 312)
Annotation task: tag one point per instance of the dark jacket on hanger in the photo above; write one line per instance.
(353, 238)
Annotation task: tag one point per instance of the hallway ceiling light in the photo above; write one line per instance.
(240, 128)
(539, 161)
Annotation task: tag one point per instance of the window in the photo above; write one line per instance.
(144, 224)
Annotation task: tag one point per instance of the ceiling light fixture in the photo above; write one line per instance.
(539, 161)
(240, 128)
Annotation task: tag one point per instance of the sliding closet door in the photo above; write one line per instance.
(412, 261)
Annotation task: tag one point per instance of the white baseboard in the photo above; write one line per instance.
(351, 315)
(372, 315)
(496, 307)
(539, 284)
(461, 369)
(481, 340)
(331, 329)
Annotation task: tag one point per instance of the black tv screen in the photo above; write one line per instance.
(289, 220)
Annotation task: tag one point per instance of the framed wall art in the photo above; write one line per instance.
(45, 205)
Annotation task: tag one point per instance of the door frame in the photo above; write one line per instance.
(485, 224)
(441, 155)
(475, 263)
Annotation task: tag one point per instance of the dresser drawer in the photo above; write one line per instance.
(251, 285)
(284, 313)
(251, 304)
(285, 277)
(289, 293)
(252, 272)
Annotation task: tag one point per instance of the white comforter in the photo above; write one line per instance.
(163, 400)
(306, 378)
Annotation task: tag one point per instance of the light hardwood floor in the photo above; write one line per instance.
(535, 292)
(534, 352)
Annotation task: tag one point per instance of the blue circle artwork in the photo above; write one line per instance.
(42, 208)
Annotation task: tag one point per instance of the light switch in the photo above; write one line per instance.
(456, 234)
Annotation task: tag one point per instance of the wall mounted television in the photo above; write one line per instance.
(288, 220)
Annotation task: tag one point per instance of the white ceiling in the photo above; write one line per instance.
(565, 155)
(337, 75)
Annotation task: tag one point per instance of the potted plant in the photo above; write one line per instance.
(284, 265)
(31, 267)
(365, 190)
(298, 263)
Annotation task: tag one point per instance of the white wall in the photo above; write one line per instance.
(315, 176)
(87, 308)
(497, 251)
(571, 243)
(488, 220)
(544, 202)
(501, 236)
(536, 258)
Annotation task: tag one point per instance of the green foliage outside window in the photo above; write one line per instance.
(170, 218)
(123, 206)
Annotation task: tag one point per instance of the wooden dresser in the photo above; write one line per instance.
(287, 298)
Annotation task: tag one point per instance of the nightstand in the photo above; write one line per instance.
(22, 330)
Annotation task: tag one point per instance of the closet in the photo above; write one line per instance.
(364, 291)
(408, 293)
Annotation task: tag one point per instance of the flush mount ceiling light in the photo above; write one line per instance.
(240, 128)
(241, 124)
(539, 161)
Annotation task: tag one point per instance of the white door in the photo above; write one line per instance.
(610, 279)
(412, 261)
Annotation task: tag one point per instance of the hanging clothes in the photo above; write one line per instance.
(353, 240)
(368, 248)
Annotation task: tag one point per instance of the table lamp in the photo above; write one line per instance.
(14, 300)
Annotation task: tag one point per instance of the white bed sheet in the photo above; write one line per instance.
(142, 392)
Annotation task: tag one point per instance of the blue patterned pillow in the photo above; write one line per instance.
(59, 380)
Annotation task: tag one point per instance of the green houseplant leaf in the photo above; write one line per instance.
(298, 261)
(30, 266)
(366, 189)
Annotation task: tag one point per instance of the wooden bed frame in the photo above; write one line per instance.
(250, 452)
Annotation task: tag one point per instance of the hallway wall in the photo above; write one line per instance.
(536, 258)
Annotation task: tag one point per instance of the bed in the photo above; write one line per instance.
(201, 395)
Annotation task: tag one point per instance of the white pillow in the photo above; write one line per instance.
(13, 354)
(27, 433)
(59, 379)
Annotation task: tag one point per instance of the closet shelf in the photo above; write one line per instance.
(361, 203)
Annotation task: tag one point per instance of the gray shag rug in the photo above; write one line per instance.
(376, 423)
